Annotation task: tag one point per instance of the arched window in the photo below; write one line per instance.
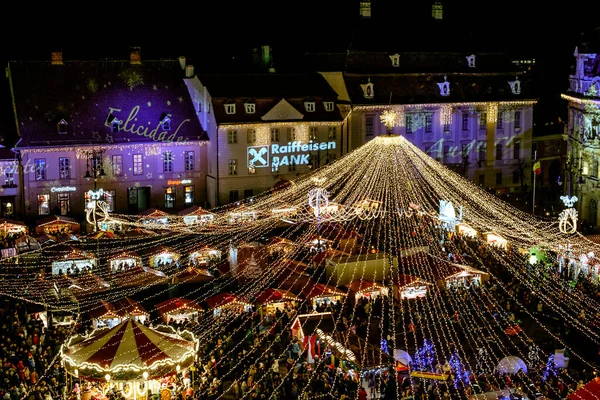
(593, 214)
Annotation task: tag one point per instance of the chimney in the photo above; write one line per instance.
(135, 57)
(189, 71)
(56, 58)
(182, 62)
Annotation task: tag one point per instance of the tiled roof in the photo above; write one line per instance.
(82, 93)
(423, 88)
(266, 91)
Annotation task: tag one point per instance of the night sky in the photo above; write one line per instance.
(221, 32)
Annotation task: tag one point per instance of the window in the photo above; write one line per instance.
(188, 195)
(409, 127)
(43, 204)
(516, 149)
(230, 108)
(166, 123)
(117, 165)
(328, 105)
(62, 127)
(331, 133)
(138, 164)
(515, 177)
(232, 137)
(170, 197)
(482, 151)
(499, 178)
(234, 196)
(465, 121)
(251, 136)
(96, 163)
(9, 177)
(428, 123)
(250, 108)
(310, 106)
(369, 131)
(291, 134)
(446, 154)
(64, 203)
(248, 193)
(499, 121)
(499, 151)
(232, 167)
(168, 161)
(110, 197)
(482, 180)
(189, 160)
(594, 169)
(274, 135)
(482, 121)
(64, 168)
(517, 120)
(314, 133)
(40, 169)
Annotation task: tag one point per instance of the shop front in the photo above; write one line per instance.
(366, 289)
(124, 261)
(321, 295)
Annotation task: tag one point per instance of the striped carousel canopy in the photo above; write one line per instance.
(128, 350)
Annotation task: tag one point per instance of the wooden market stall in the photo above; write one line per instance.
(70, 260)
(201, 255)
(466, 276)
(196, 215)
(293, 278)
(279, 246)
(320, 294)
(105, 315)
(271, 300)
(152, 216)
(161, 256)
(466, 230)
(177, 310)
(123, 261)
(225, 303)
(409, 287)
(130, 357)
(12, 226)
(364, 288)
(496, 240)
(54, 224)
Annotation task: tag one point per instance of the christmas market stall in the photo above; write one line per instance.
(466, 277)
(11, 226)
(496, 240)
(177, 310)
(304, 330)
(196, 215)
(369, 289)
(228, 303)
(466, 230)
(105, 315)
(70, 260)
(409, 287)
(152, 216)
(54, 224)
(124, 261)
(320, 294)
(201, 256)
(271, 300)
(130, 357)
(160, 257)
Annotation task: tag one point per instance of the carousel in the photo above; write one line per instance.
(179, 310)
(129, 358)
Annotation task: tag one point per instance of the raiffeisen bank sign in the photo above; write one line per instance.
(293, 153)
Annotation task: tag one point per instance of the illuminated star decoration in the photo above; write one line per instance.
(180, 99)
(110, 139)
(149, 175)
(161, 177)
(96, 134)
(137, 184)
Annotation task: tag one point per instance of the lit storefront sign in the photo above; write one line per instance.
(293, 153)
(63, 189)
(180, 182)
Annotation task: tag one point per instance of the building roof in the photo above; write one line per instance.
(83, 93)
(266, 91)
(423, 88)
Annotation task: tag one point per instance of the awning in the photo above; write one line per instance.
(275, 295)
(178, 305)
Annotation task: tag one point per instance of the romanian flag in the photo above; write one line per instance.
(537, 168)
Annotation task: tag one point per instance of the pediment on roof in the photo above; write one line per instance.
(282, 111)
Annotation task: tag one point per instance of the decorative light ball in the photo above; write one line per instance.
(107, 377)
(145, 375)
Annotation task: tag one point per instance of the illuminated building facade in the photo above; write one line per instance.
(127, 127)
(583, 132)
(472, 112)
(264, 130)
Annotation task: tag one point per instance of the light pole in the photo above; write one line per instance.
(94, 169)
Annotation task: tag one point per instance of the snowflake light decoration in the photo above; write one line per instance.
(390, 119)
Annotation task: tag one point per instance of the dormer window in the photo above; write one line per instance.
(328, 105)
(114, 123)
(395, 60)
(368, 89)
(62, 127)
(309, 106)
(444, 87)
(230, 108)
(165, 122)
(471, 60)
(250, 108)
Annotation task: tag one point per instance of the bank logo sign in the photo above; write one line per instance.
(293, 153)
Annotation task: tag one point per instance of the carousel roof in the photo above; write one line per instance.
(177, 303)
(223, 299)
(320, 290)
(274, 295)
(129, 347)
